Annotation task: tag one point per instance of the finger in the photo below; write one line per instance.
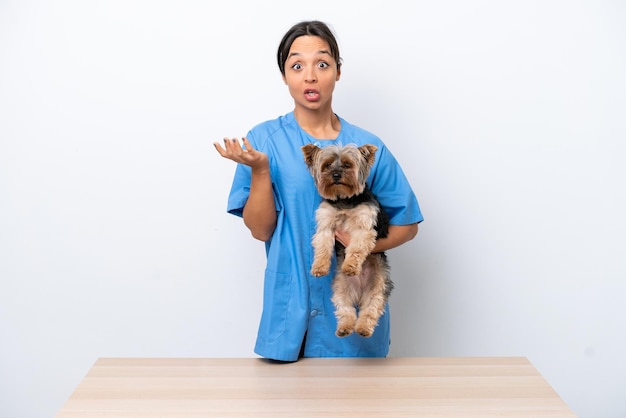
(228, 150)
(247, 144)
(225, 153)
(219, 149)
(236, 144)
(232, 146)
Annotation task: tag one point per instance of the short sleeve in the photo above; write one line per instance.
(392, 189)
(240, 189)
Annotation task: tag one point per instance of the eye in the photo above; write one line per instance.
(346, 165)
(326, 166)
(323, 64)
(296, 66)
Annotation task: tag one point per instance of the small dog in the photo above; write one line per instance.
(363, 280)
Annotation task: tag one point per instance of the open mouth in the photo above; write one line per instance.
(311, 94)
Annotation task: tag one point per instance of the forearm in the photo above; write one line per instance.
(398, 235)
(259, 213)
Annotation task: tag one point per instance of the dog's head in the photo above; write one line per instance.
(339, 171)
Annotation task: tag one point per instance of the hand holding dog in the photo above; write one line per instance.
(342, 236)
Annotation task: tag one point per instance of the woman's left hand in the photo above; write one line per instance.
(342, 236)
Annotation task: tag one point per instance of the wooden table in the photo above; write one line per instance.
(315, 387)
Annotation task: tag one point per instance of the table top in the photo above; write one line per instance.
(314, 387)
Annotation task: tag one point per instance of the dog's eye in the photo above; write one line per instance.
(346, 165)
(326, 166)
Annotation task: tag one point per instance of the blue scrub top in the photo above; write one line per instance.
(294, 302)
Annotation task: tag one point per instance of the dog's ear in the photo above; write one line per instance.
(310, 151)
(369, 153)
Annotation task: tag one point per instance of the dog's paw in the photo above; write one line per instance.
(351, 268)
(343, 331)
(319, 269)
(319, 273)
(364, 331)
(365, 326)
(345, 325)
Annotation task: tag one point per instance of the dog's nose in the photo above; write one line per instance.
(336, 175)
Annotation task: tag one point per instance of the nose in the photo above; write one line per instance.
(311, 76)
(336, 175)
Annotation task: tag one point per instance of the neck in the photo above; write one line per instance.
(317, 123)
(348, 202)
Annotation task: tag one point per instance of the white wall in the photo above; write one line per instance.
(509, 118)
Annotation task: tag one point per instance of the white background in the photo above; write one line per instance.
(509, 119)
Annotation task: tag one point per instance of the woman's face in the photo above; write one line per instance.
(311, 72)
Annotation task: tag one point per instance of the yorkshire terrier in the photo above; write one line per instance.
(362, 283)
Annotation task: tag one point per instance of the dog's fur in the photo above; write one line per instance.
(362, 280)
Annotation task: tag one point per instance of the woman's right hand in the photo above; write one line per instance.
(245, 154)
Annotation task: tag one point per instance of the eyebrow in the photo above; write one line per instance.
(320, 52)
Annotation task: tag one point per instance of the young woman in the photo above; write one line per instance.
(274, 192)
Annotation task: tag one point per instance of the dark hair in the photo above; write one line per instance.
(311, 28)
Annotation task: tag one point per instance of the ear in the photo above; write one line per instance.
(310, 151)
(369, 153)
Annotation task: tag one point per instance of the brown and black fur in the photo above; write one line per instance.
(362, 284)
